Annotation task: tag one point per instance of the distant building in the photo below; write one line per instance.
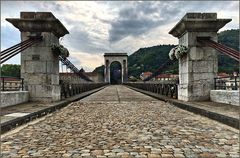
(145, 75)
(227, 81)
(94, 76)
(222, 74)
(162, 77)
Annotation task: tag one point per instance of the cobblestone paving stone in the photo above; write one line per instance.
(122, 128)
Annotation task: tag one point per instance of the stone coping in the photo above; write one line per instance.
(195, 22)
(39, 22)
(12, 92)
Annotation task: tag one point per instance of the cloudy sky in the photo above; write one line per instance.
(112, 26)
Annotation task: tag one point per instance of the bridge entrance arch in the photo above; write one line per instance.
(120, 70)
(115, 73)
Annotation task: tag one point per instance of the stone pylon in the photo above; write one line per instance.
(199, 66)
(39, 65)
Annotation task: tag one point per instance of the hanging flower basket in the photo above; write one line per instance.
(60, 50)
(177, 52)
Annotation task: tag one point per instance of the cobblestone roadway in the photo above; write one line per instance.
(127, 124)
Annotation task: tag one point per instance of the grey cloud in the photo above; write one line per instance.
(101, 19)
(135, 27)
(139, 18)
(81, 40)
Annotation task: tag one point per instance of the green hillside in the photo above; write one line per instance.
(229, 38)
(151, 58)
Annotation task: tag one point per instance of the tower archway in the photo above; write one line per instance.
(115, 73)
(118, 62)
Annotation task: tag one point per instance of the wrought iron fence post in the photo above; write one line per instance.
(215, 83)
(2, 83)
(22, 83)
(235, 82)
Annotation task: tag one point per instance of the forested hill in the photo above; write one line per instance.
(151, 58)
(228, 38)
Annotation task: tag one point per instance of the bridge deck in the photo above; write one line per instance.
(119, 122)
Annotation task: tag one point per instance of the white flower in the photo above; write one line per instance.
(171, 53)
(177, 52)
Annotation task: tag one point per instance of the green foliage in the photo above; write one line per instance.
(60, 50)
(151, 58)
(11, 70)
(132, 79)
(228, 38)
(99, 70)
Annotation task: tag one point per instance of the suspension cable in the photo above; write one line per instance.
(221, 48)
(160, 70)
(16, 49)
(73, 68)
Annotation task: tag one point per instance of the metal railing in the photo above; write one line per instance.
(11, 83)
(69, 90)
(166, 89)
(226, 83)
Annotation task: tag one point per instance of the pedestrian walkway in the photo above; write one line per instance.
(120, 122)
(224, 113)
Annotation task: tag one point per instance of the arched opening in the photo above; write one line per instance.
(115, 73)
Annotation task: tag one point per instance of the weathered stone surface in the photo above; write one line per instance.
(39, 66)
(198, 67)
(99, 126)
(225, 96)
(9, 98)
(119, 57)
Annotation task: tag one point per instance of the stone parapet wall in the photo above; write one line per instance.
(14, 98)
(71, 78)
(225, 96)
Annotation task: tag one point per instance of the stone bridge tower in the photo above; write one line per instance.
(39, 66)
(199, 66)
(119, 57)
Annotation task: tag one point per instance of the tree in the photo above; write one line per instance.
(11, 70)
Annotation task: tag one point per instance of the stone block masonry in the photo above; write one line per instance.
(199, 66)
(13, 98)
(119, 57)
(39, 65)
(225, 96)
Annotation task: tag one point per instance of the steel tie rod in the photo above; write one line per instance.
(16, 49)
(15, 46)
(5, 58)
